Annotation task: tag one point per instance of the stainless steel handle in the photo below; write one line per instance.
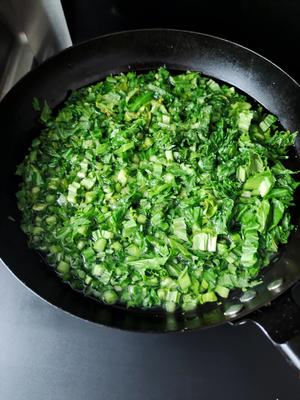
(280, 321)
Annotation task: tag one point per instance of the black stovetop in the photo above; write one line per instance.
(270, 27)
(47, 354)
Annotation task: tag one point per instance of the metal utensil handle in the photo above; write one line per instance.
(280, 321)
(291, 350)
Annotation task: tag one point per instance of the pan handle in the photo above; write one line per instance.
(280, 321)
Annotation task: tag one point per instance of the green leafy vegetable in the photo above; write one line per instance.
(157, 190)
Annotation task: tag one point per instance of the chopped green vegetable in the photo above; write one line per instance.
(179, 228)
(157, 190)
(267, 122)
(260, 183)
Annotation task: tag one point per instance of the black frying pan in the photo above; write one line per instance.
(141, 51)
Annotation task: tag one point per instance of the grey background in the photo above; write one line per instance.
(46, 354)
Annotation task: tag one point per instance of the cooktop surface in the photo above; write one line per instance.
(47, 354)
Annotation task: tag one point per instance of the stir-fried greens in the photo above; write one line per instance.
(158, 190)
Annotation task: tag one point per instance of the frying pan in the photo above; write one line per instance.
(271, 305)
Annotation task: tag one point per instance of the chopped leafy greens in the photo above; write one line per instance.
(157, 190)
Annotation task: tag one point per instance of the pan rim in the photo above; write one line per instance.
(129, 31)
(82, 44)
